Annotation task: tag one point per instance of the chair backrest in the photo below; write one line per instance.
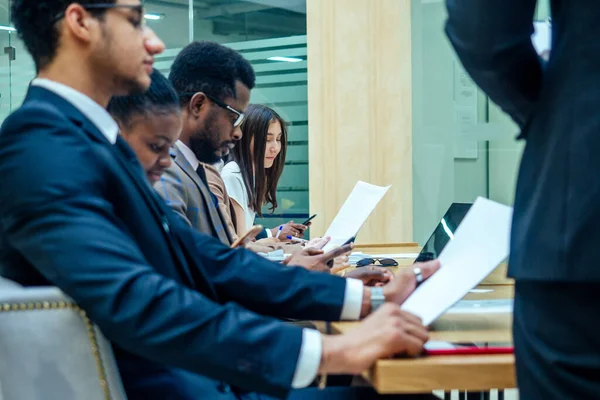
(49, 349)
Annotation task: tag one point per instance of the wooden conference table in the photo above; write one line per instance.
(463, 372)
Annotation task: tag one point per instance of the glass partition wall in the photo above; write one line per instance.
(463, 145)
(271, 34)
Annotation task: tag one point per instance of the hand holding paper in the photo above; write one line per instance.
(405, 282)
(353, 214)
(480, 243)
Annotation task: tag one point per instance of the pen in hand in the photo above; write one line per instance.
(279, 231)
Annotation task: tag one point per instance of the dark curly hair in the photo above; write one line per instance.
(210, 68)
(37, 25)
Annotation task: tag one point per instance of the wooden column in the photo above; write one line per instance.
(360, 111)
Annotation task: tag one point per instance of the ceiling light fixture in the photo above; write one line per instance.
(285, 59)
(154, 17)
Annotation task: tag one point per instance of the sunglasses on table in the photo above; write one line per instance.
(385, 262)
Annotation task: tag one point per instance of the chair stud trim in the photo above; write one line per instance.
(63, 305)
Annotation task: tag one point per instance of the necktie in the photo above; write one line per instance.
(213, 209)
(202, 174)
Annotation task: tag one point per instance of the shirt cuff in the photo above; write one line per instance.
(269, 233)
(353, 298)
(309, 360)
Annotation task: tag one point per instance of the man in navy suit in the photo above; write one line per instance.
(556, 225)
(180, 308)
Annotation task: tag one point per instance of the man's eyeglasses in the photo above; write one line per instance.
(240, 115)
(139, 8)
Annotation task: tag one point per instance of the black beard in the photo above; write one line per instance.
(204, 150)
(205, 142)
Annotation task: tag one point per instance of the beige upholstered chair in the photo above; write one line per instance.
(49, 349)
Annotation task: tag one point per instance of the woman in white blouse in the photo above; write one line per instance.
(257, 164)
(251, 182)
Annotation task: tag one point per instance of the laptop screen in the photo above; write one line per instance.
(444, 231)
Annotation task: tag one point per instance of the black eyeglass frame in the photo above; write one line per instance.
(103, 6)
(240, 115)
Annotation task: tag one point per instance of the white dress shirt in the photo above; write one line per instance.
(192, 159)
(219, 165)
(188, 154)
(236, 189)
(309, 359)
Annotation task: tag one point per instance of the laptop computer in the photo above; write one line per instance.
(444, 231)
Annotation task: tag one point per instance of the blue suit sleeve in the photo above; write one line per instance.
(266, 287)
(492, 38)
(56, 214)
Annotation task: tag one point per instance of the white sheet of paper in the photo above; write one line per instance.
(353, 214)
(437, 345)
(480, 243)
(354, 257)
(275, 255)
(498, 306)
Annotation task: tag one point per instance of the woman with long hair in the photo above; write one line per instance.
(257, 164)
(251, 179)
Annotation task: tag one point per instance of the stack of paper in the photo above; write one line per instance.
(356, 257)
(353, 214)
(438, 345)
(500, 306)
(276, 255)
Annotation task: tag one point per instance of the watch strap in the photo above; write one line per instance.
(377, 298)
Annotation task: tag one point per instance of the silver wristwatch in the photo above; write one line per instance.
(377, 298)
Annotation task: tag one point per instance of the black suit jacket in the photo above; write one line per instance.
(556, 223)
(77, 212)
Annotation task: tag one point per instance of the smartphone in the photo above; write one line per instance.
(308, 220)
(343, 249)
(248, 236)
(351, 240)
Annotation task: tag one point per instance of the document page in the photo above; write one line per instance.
(480, 243)
(353, 214)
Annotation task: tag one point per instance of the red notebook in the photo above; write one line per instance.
(470, 350)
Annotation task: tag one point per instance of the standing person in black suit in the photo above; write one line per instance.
(181, 308)
(556, 225)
